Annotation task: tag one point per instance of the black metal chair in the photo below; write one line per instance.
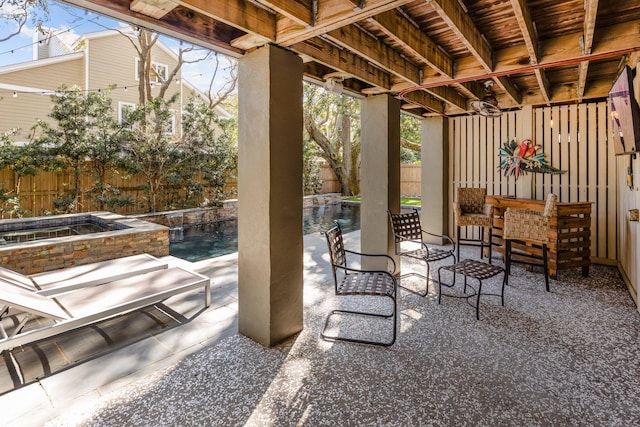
(359, 282)
(408, 234)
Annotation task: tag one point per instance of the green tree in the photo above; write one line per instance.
(152, 149)
(213, 142)
(333, 122)
(22, 160)
(14, 15)
(83, 129)
(410, 137)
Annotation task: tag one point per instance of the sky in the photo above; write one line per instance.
(79, 21)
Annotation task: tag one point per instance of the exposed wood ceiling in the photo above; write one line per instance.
(435, 55)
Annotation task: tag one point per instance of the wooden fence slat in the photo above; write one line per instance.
(604, 133)
(583, 154)
(574, 165)
(593, 174)
(602, 184)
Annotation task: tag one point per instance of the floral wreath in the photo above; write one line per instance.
(524, 157)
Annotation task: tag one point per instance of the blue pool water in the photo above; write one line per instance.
(220, 238)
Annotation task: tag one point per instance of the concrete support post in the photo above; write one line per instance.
(435, 177)
(379, 175)
(270, 245)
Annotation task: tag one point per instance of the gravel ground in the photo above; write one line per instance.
(568, 357)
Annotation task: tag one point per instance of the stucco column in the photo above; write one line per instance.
(434, 215)
(379, 175)
(270, 246)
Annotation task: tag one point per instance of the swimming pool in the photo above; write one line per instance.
(220, 238)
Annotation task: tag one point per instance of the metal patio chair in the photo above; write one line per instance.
(350, 281)
(408, 237)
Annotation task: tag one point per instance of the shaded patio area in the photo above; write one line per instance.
(568, 357)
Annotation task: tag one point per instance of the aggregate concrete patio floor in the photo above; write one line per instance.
(568, 357)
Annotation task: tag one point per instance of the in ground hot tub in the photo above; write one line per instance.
(33, 245)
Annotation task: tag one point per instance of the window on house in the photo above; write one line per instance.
(159, 73)
(171, 126)
(124, 113)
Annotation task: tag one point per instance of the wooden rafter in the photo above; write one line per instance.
(237, 13)
(341, 59)
(590, 14)
(424, 99)
(523, 17)
(153, 8)
(179, 22)
(398, 28)
(543, 83)
(299, 11)
(457, 19)
(375, 51)
(331, 15)
(612, 41)
(509, 88)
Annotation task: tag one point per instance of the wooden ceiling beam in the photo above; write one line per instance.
(342, 60)
(590, 14)
(543, 83)
(525, 23)
(240, 14)
(179, 22)
(331, 15)
(398, 28)
(564, 94)
(373, 50)
(299, 11)
(425, 100)
(153, 8)
(509, 88)
(583, 69)
(561, 51)
(461, 24)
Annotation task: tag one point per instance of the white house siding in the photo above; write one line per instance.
(22, 111)
(112, 61)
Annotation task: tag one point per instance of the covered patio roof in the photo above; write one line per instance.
(436, 55)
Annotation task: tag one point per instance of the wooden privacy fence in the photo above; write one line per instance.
(37, 193)
(410, 180)
(573, 137)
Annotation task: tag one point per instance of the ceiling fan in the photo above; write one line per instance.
(488, 105)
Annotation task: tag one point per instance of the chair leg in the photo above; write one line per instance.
(490, 237)
(478, 300)
(545, 263)
(393, 314)
(458, 242)
(481, 242)
(507, 256)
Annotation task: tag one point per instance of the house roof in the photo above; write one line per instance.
(74, 45)
(436, 55)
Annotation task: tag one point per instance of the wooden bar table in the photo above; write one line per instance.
(569, 237)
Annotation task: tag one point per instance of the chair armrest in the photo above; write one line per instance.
(374, 255)
(359, 270)
(457, 211)
(441, 236)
